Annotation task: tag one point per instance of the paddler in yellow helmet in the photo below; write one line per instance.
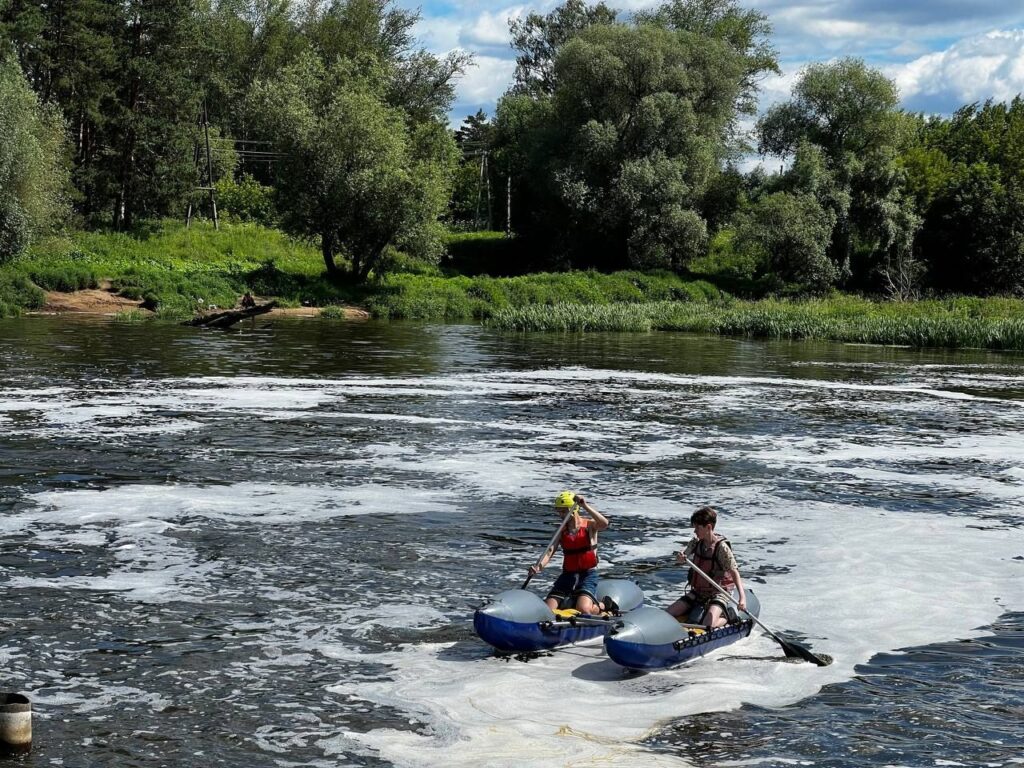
(578, 542)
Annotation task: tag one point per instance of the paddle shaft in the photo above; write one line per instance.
(725, 592)
(791, 648)
(550, 547)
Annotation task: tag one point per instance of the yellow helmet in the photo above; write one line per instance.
(565, 500)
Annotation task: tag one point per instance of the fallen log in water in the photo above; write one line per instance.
(229, 317)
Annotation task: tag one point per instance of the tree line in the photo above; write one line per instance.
(617, 145)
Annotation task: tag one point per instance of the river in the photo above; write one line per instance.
(263, 547)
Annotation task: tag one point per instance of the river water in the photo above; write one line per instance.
(263, 547)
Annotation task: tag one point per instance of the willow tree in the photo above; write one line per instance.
(356, 173)
(849, 113)
(613, 164)
(33, 179)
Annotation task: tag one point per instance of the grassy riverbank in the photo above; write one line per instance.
(178, 270)
(960, 322)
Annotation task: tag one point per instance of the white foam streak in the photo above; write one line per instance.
(862, 582)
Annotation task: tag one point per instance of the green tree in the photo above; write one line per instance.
(788, 234)
(68, 48)
(614, 164)
(746, 32)
(150, 163)
(378, 33)
(974, 234)
(848, 113)
(246, 41)
(967, 176)
(33, 179)
(845, 107)
(356, 173)
(476, 181)
(539, 39)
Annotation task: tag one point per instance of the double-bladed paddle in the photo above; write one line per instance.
(550, 547)
(791, 648)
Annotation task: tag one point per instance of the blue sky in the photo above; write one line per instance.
(941, 53)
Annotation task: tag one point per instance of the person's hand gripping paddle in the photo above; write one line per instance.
(549, 549)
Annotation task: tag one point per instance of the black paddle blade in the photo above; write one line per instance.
(796, 651)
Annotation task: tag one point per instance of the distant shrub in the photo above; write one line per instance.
(17, 292)
(247, 200)
(67, 276)
(332, 313)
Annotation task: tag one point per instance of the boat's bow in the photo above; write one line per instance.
(650, 638)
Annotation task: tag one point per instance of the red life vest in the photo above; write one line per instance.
(580, 553)
(708, 562)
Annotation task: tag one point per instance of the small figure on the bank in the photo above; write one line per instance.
(578, 541)
(712, 554)
(248, 302)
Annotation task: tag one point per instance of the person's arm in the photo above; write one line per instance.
(545, 559)
(742, 600)
(687, 551)
(733, 569)
(600, 521)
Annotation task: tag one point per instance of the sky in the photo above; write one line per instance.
(942, 54)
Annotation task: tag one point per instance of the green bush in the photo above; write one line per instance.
(247, 200)
(17, 292)
(63, 276)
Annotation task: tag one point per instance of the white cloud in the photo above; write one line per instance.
(438, 33)
(836, 28)
(490, 29)
(973, 69)
(482, 85)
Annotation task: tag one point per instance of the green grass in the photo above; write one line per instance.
(995, 323)
(424, 297)
(174, 267)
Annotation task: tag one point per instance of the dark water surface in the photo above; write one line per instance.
(262, 547)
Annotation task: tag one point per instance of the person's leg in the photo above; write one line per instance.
(561, 589)
(716, 616)
(681, 607)
(586, 592)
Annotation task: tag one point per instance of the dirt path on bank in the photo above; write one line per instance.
(103, 301)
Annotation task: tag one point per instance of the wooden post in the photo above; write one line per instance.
(508, 206)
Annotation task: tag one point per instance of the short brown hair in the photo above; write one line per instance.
(703, 516)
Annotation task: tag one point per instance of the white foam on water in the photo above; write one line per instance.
(861, 581)
(138, 523)
(858, 581)
(855, 578)
(110, 697)
(257, 503)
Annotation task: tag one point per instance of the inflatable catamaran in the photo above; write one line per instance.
(650, 638)
(518, 621)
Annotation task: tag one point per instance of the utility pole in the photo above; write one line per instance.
(480, 186)
(490, 207)
(508, 205)
(210, 188)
